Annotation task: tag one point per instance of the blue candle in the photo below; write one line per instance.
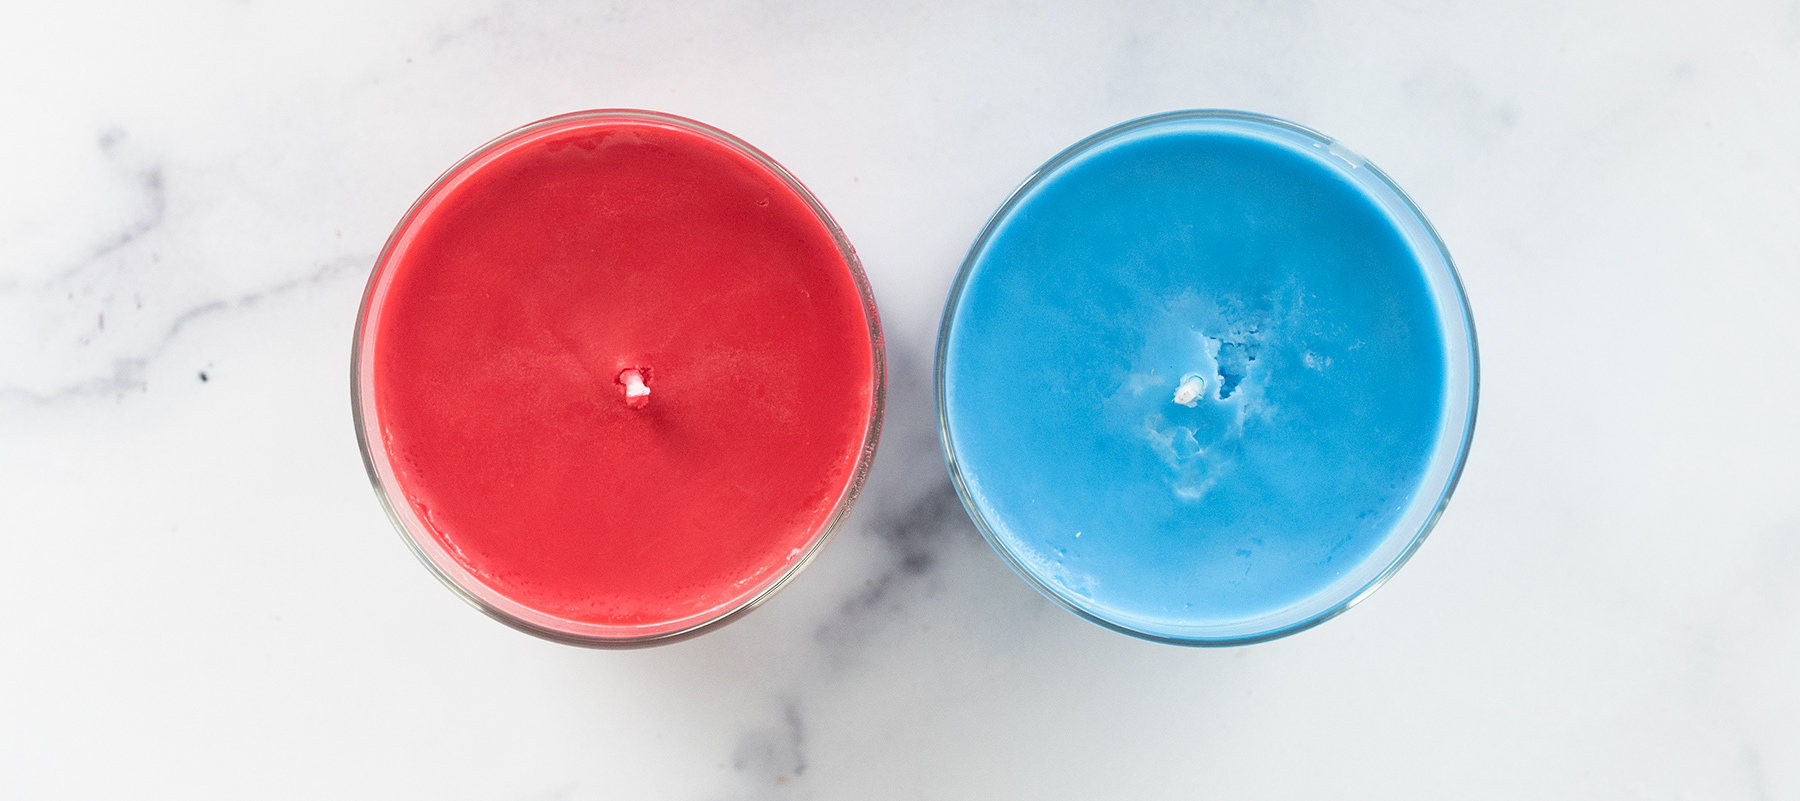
(1207, 378)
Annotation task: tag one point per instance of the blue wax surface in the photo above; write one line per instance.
(1254, 263)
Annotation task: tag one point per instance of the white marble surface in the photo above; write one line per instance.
(202, 599)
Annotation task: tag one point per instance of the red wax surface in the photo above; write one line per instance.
(517, 294)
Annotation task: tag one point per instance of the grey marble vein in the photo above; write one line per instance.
(912, 510)
(127, 373)
(152, 202)
(773, 756)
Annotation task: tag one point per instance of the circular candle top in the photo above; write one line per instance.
(618, 377)
(1207, 378)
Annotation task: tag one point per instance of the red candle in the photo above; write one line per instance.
(618, 376)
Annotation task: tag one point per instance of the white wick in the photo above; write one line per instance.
(1192, 387)
(637, 394)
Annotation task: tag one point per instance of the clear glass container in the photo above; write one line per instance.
(1048, 573)
(418, 535)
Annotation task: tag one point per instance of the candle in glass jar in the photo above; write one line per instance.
(1207, 378)
(618, 376)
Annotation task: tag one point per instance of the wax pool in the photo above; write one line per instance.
(618, 375)
(1207, 378)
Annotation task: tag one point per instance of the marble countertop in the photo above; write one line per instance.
(203, 599)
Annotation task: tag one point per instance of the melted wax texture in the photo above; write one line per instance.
(1250, 264)
(524, 293)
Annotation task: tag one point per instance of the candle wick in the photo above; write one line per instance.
(1191, 388)
(637, 393)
